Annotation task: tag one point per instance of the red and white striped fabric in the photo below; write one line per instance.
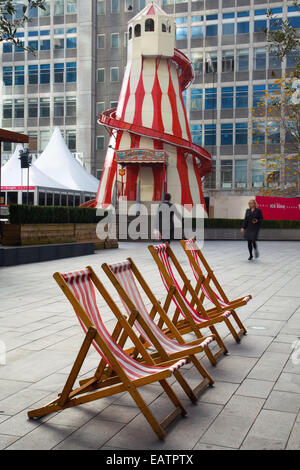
(124, 275)
(83, 289)
(161, 250)
(151, 98)
(192, 248)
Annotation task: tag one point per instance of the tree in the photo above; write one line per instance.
(9, 23)
(276, 124)
(282, 38)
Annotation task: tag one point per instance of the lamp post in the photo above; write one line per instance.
(25, 160)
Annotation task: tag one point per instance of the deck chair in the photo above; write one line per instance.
(117, 372)
(195, 315)
(126, 277)
(205, 276)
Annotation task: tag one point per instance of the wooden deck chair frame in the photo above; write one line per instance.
(104, 383)
(161, 354)
(188, 324)
(208, 277)
(196, 302)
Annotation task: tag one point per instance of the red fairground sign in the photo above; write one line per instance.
(17, 188)
(279, 208)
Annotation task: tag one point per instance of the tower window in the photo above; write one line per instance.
(149, 25)
(137, 30)
(163, 28)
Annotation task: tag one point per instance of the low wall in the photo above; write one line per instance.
(264, 234)
(47, 234)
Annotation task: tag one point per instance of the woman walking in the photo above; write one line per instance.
(251, 225)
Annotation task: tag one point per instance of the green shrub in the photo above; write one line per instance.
(22, 214)
(237, 223)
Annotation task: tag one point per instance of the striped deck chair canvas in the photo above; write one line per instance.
(207, 285)
(126, 278)
(117, 371)
(186, 301)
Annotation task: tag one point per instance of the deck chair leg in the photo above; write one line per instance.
(232, 330)
(239, 323)
(223, 350)
(157, 428)
(173, 397)
(185, 386)
(208, 380)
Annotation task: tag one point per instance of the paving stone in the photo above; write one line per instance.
(271, 430)
(283, 401)
(294, 440)
(269, 366)
(46, 440)
(288, 383)
(233, 423)
(256, 326)
(232, 369)
(255, 388)
(5, 441)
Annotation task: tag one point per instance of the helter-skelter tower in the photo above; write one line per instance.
(150, 151)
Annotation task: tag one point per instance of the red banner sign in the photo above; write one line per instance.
(279, 208)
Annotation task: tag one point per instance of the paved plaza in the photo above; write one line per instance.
(254, 403)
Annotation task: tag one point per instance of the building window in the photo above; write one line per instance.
(227, 61)
(33, 73)
(226, 174)
(44, 73)
(125, 39)
(19, 75)
(45, 107)
(258, 132)
(101, 10)
(274, 61)
(196, 132)
(33, 108)
(210, 181)
(100, 142)
(181, 33)
(71, 72)
(128, 5)
(115, 40)
(242, 58)
(258, 95)
(7, 76)
(241, 173)
(44, 139)
(113, 104)
(45, 12)
(259, 58)
(211, 30)
(59, 7)
(260, 26)
(210, 136)
(142, 4)
(257, 174)
(101, 41)
(241, 97)
(59, 73)
(19, 109)
(71, 140)
(196, 99)
(7, 109)
(241, 133)
(100, 107)
(100, 75)
(71, 7)
(211, 62)
(34, 44)
(227, 98)
(197, 61)
(71, 106)
(228, 29)
(243, 27)
(114, 74)
(149, 25)
(59, 107)
(273, 132)
(196, 32)
(211, 98)
(226, 134)
(137, 30)
(7, 48)
(72, 43)
(115, 6)
(292, 58)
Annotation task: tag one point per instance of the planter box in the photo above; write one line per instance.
(47, 234)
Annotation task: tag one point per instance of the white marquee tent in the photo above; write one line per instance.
(58, 162)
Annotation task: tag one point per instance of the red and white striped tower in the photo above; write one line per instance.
(150, 134)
